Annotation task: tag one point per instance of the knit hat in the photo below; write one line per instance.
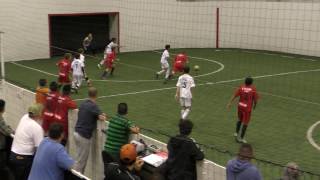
(35, 109)
(128, 153)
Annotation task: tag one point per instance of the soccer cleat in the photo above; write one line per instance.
(243, 141)
(157, 76)
(235, 134)
(99, 66)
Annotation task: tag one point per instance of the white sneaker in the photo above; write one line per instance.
(243, 141)
(235, 134)
(99, 66)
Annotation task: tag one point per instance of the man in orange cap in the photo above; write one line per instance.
(127, 167)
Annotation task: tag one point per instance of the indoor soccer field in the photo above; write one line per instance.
(288, 86)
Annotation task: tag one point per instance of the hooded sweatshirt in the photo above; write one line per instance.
(183, 154)
(242, 170)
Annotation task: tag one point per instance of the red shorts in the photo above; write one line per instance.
(178, 68)
(63, 79)
(108, 64)
(244, 116)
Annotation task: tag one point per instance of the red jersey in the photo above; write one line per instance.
(180, 59)
(64, 66)
(64, 103)
(49, 108)
(248, 95)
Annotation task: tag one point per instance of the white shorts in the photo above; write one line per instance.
(185, 102)
(165, 65)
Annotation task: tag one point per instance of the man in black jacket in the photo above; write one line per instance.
(183, 154)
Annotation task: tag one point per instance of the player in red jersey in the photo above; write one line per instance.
(248, 101)
(180, 61)
(64, 104)
(50, 105)
(64, 66)
(109, 63)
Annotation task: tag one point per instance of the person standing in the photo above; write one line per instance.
(27, 139)
(164, 64)
(88, 114)
(50, 106)
(118, 132)
(248, 99)
(64, 66)
(184, 92)
(88, 44)
(64, 104)
(51, 159)
(42, 91)
(183, 153)
(5, 131)
(241, 168)
(108, 50)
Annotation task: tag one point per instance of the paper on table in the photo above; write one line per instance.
(156, 159)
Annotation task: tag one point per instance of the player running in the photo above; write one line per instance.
(64, 66)
(108, 50)
(180, 61)
(82, 59)
(248, 100)
(77, 67)
(164, 64)
(109, 63)
(184, 93)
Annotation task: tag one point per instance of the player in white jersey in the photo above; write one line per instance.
(164, 64)
(77, 72)
(108, 50)
(82, 59)
(184, 94)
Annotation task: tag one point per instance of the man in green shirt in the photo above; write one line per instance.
(118, 132)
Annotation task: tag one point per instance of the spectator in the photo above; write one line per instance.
(128, 167)
(51, 159)
(42, 91)
(5, 131)
(50, 106)
(88, 114)
(183, 154)
(291, 172)
(119, 129)
(64, 104)
(241, 168)
(27, 138)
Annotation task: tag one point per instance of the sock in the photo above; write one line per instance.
(238, 126)
(185, 113)
(243, 132)
(112, 69)
(167, 73)
(160, 72)
(182, 112)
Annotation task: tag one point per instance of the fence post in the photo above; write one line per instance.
(1, 56)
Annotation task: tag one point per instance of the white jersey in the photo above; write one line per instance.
(165, 57)
(185, 83)
(109, 47)
(82, 58)
(28, 136)
(77, 66)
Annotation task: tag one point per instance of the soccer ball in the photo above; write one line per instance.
(196, 68)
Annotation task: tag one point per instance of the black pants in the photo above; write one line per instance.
(21, 165)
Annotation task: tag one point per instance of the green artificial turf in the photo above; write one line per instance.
(289, 100)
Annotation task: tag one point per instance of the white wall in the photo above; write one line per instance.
(149, 24)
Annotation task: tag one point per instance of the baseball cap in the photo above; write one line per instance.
(35, 109)
(128, 153)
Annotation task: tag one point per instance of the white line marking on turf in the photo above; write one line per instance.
(134, 81)
(291, 57)
(221, 82)
(308, 59)
(285, 56)
(309, 135)
(17, 64)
